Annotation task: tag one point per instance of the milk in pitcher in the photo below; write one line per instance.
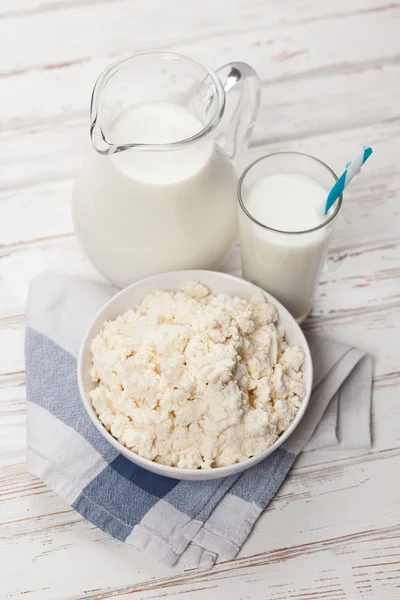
(141, 213)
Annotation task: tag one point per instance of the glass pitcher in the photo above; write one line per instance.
(158, 191)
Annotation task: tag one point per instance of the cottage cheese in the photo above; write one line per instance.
(193, 380)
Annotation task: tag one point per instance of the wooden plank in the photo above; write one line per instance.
(353, 282)
(64, 256)
(12, 421)
(323, 574)
(364, 281)
(46, 209)
(46, 206)
(375, 333)
(369, 278)
(12, 335)
(11, 9)
(300, 11)
(291, 112)
(278, 51)
(49, 152)
(189, 25)
(372, 197)
(357, 281)
(330, 503)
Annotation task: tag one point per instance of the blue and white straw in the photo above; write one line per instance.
(352, 169)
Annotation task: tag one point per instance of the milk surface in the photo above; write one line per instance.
(138, 212)
(159, 123)
(287, 202)
(286, 262)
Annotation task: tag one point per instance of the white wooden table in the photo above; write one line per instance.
(331, 81)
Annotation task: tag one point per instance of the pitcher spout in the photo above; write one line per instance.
(99, 140)
(98, 114)
(121, 86)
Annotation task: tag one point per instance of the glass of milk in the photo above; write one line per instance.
(157, 191)
(284, 233)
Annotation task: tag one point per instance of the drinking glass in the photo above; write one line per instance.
(286, 264)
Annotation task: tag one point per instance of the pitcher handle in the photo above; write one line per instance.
(240, 116)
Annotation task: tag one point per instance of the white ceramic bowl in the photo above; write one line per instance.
(217, 283)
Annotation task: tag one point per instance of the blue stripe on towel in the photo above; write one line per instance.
(198, 498)
(123, 500)
(156, 485)
(100, 517)
(254, 487)
(55, 388)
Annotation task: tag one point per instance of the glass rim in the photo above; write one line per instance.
(108, 72)
(301, 231)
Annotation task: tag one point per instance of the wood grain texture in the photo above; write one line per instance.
(139, 26)
(51, 156)
(330, 74)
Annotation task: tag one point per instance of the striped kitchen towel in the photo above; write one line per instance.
(196, 522)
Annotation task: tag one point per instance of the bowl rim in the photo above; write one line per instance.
(177, 472)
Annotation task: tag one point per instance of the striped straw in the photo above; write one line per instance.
(352, 169)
